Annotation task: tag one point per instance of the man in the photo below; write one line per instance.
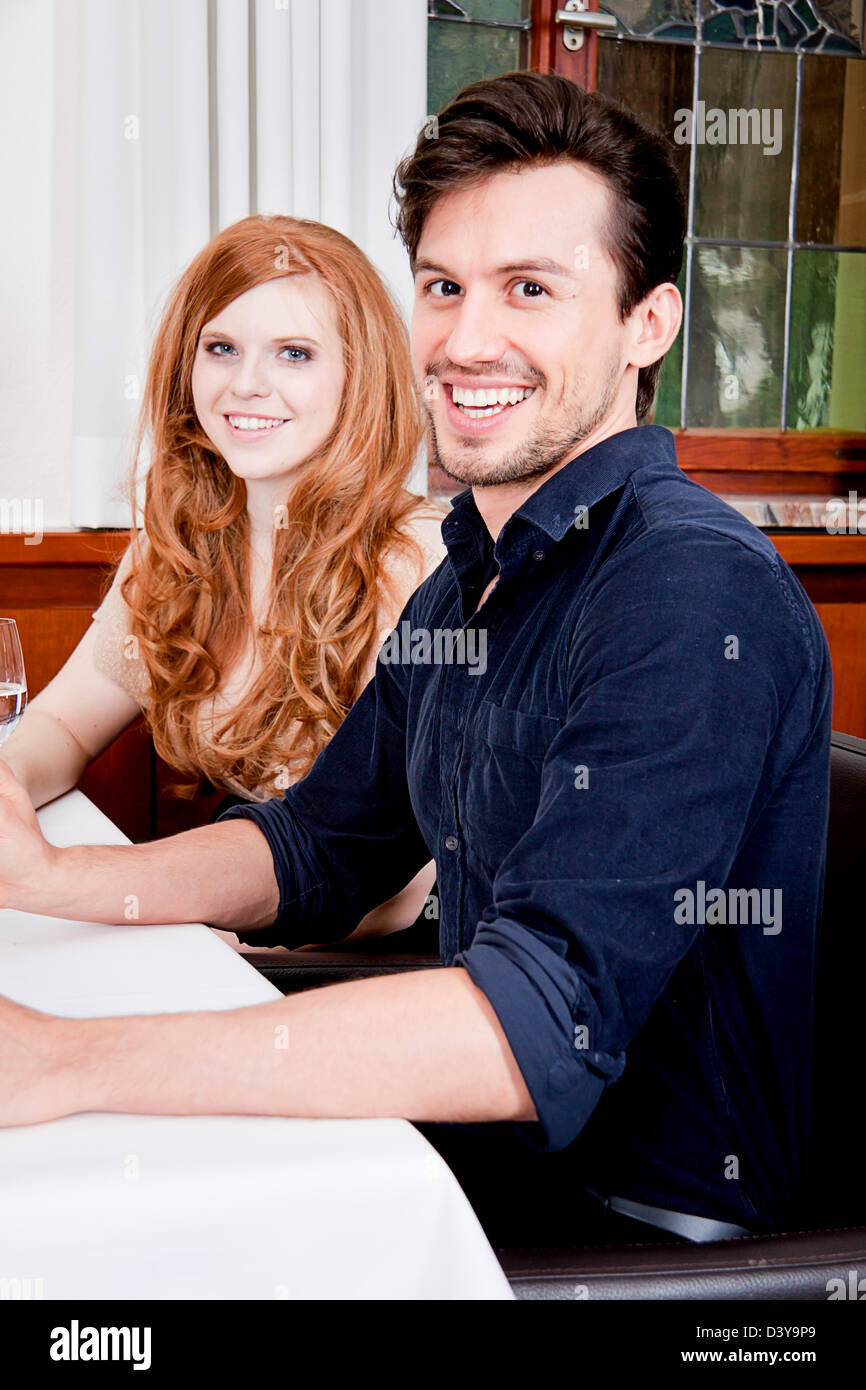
(626, 799)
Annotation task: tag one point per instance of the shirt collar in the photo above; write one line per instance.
(587, 479)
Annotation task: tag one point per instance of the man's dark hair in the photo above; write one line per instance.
(531, 118)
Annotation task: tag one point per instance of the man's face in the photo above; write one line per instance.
(516, 294)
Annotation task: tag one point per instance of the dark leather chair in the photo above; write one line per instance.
(830, 1239)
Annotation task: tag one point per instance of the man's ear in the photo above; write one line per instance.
(655, 323)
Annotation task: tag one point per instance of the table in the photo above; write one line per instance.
(104, 1206)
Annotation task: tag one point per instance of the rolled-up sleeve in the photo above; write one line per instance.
(676, 682)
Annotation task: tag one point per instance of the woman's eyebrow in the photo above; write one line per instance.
(274, 342)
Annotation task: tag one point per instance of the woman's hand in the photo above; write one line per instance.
(27, 861)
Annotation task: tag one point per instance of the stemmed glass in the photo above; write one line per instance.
(13, 682)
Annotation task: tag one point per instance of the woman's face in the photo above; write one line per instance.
(268, 376)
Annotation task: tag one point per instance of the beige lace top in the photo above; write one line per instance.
(115, 649)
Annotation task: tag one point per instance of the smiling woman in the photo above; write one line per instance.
(250, 381)
(279, 541)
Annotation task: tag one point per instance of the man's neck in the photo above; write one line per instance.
(497, 504)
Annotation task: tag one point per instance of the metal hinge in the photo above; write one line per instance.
(575, 16)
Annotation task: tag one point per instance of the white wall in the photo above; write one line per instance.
(38, 41)
(47, 396)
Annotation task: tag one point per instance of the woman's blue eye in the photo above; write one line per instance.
(215, 349)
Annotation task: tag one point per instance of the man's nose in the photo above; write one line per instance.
(476, 335)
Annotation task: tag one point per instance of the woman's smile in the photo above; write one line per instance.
(251, 427)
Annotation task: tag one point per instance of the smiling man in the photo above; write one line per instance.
(651, 726)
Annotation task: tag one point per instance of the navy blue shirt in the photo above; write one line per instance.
(620, 764)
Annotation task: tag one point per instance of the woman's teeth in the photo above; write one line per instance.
(478, 404)
(253, 422)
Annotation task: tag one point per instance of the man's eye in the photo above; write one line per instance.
(452, 288)
(535, 286)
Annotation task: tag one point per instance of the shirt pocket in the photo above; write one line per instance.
(527, 735)
(508, 747)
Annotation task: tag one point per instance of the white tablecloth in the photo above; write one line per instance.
(224, 1207)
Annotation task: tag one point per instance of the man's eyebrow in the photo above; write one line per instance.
(541, 263)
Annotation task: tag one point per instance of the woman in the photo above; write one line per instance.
(279, 542)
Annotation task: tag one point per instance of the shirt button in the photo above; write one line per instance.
(451, 842)
(538, 555)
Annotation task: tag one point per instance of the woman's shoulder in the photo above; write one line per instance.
(402, 570)
(112, 597)
(115, 653)
(425, 525)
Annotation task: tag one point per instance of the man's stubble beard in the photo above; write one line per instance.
(537, 455)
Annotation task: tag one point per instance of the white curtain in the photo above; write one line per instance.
(194, 113)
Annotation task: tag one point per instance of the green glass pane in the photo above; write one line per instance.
(720, 29)
(655, 81)
(827, 365)
(461, 53)
(510, 10)
(736, 337)
(779, 25)
(804, 10)
(836, 44)
(666, 407)
(743, 130)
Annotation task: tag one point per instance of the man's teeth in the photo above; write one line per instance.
(253, 422)
(491, 401)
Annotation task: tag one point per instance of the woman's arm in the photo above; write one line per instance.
(398, 912)
(68, 724)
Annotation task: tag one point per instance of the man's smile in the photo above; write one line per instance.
(471, 410)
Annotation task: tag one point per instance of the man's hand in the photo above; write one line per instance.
(220, 874)
(35, 1076)
(26, 858)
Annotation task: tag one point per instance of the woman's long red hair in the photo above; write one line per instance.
(188, 589)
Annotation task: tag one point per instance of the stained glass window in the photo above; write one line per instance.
(764, 104)
(771, 152)
(811, 26)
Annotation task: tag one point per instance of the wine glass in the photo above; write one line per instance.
(13, 682)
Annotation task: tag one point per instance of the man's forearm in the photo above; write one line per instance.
(424, 1045)
(219, 874)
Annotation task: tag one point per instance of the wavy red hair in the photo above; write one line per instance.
(188, 588)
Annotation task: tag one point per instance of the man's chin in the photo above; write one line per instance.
(493, 472)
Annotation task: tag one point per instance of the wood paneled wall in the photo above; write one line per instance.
(51, 590)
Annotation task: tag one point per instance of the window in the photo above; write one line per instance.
(765, 104)
(467, 42)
